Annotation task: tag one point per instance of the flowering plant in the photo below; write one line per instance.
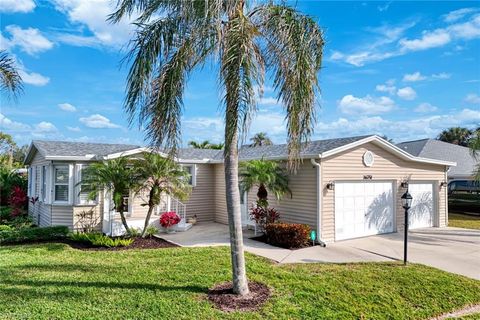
(169, 219)
(263, 216)
(18, 200)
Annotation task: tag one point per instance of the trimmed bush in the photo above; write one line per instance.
(151, 231)
(100, 240)
(287, 235)
(33, 234)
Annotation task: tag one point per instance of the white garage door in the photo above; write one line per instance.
(421, 212)
(363, 209)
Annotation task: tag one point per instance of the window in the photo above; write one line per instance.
(190, 169)
(61, 183)
(44, 184)
(83, 189)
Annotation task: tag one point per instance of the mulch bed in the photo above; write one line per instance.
(138, 243)
(263, 238)
(223, 298)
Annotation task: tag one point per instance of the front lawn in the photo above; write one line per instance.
(463, 221)
(54, 281)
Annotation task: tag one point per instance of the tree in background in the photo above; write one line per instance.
(474, 144)
(206, 145)
(160, 176)
(10, 80)
(11, 156)
(261, 139)
(456, 135)
(174, 37)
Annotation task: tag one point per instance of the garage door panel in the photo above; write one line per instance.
(368, 211)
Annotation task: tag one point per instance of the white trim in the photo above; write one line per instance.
(193, 172)
(77, 187)
(69, 184)
(87, 157)
(128, 153)
(388, 146)
(319, 199)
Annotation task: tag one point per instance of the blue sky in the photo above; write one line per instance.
(403, 69)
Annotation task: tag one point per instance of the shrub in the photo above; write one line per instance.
(33, 234)
(87, 220)
(18, 200)
(9, 179)
(169, 219)
(100, 240)
(4, 227)
(20, 222)
(263, 217)
(5, 213)
(134, 232)
(287, 235)
(151, 230)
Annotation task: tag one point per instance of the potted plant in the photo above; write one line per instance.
(168, 220)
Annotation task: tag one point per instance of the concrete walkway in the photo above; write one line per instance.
(451, 249)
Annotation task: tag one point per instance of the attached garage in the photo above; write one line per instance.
(363, 209)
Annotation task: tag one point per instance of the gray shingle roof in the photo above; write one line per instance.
(74, 149)
(280, 150)
(435, 149)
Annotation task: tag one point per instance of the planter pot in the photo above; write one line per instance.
(170, 230)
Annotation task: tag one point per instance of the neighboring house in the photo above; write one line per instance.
(344, 188)
(436, 149)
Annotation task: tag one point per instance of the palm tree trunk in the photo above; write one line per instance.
(240, 283)
(124, 221)
(147, 220)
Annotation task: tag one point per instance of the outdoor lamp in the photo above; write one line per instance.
(406, 204)
(331, 185)
(406, 200)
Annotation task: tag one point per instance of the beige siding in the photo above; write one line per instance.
(220, 194)
(139, 198)
(387, 166)
(97, 218)
(202, 199)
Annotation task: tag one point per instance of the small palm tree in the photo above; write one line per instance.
(116, 176)
(10, 80)
(261, 139)
(455, 135)
(206, 145)
(160, 176)
(264, 175)
(246, 38)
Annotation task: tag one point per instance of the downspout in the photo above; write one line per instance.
(319, 202)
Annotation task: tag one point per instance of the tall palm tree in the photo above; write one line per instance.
(10, 79)
(206, 145)
(474, 144)
(116, 176)
(455, 135)
(264, 175)
(160, 176)
(261, 139)
(173, 37)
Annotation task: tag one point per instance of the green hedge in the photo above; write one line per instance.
(33, 234)
(287, 235)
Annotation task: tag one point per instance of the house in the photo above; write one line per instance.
(344, 188)
(436, 149)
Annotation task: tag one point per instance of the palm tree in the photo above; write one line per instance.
(160, 176)
(10, 80)
(455, 135)
(474, 144)
(264, 175)
(115, 176)
(206, 145)
(173, 37)
(261, 139)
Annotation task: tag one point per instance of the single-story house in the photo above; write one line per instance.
(436, 149)
(344, 188)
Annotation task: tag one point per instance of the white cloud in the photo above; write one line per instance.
(413, 77)
(441, 75)
(472, 98)
(45, 127)
(425, 107)
(29, 40)
(429, 39)
(268, 101)
(74, 129)
(98, 121)
(22, 6)
(93, 15)
(350, 104)
(67, 107)
(8, 124)
(407, 93)
(35, 79)
(455, 15)
(387, 87)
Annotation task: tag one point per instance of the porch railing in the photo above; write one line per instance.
(173, 204)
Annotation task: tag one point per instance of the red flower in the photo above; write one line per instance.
(169, 219)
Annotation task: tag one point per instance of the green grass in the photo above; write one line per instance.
(463, 221)
(54, 281)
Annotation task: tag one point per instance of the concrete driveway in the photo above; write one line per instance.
(451, 249)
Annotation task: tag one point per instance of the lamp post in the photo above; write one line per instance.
(406, 204)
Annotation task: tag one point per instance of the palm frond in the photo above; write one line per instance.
(10, 79)
(293, 50)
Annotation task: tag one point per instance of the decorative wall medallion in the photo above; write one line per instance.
(368, 159)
